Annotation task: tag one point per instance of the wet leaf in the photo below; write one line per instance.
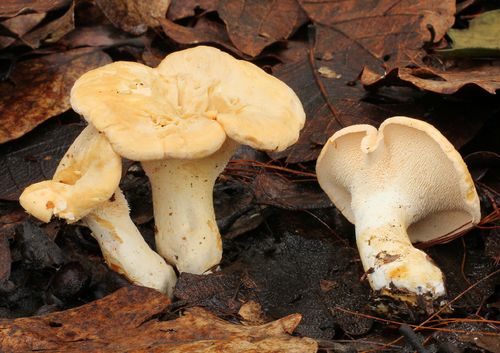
(486, 76)
(33, 158)
(254, 25)
(69, 281)
(5, 260)
(275, 190)
(185, 8)
(458, 276)
(11, 8)
(489, 343)
(52, 31)
(381, 35)
(480, 39)
(134, 16)
(204, 31)
(38, 89)
(492, 245)
(126, 321)
(39, 251)
(221, 293)
(472, 340)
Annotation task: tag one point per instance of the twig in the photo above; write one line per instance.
(412, 338)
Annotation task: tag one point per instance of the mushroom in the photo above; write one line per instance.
(402, 184)
(85, 186)
(183, 120)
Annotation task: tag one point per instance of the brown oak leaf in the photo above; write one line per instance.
(389, 33)
(185, 8)
(254, 25)
(127, 321)
(11, 8)
(486, 76)
(38, 89)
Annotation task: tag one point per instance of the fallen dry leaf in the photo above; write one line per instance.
(383, 34)
(38, 89)
(203, 32)
(127, 321)
(252, 313)
(185, 8)
(134, 16)
(485, 75)
(52, 31)
(21, 24)
(5, 41)
(254, 25)
(11, 8)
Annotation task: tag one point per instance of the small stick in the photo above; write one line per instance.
(412, 338)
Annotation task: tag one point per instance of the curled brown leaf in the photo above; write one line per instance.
(126, 321)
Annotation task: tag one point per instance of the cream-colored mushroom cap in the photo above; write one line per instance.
(411, 163)
(186, 106)
(88, 175)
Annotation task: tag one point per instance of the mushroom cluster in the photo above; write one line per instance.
(401, 184)
(182, 120)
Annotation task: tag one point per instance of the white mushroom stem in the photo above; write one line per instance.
(392, 264)
(124, 248)
(186, 229)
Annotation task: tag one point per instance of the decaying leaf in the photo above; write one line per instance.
(203, 32)
(134, 16)
(38, 89)
(39, 251)
(52, 31)
(21, 24)
(486, 76)
(222, 292)
(480, 39)
(11, 8)
(254, 25)
(126, 321)
(33, 158)
(186, 8)
(381, 35)
(272, 189)
(5, 260)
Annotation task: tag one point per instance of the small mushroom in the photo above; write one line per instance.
(85, 186)
(184, 120)
(402, 184)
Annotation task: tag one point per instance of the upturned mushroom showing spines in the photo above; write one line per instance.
(183, 120)
(82, 189)
(402, 184)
